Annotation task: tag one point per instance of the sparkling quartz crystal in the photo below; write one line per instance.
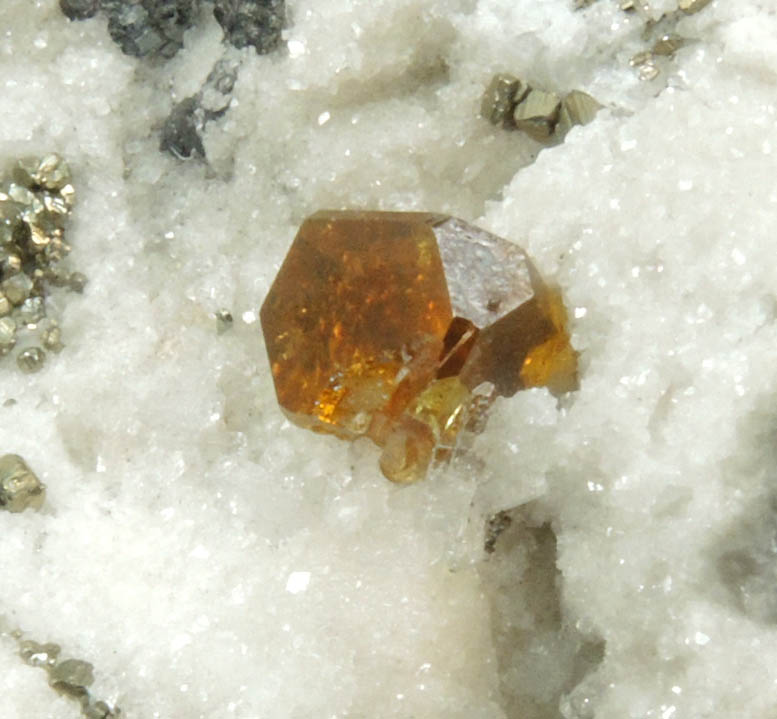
(402, 326)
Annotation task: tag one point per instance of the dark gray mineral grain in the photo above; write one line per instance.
(150, 27)
(181, 131)
(257, 23)
(155, 28)
(79, 9)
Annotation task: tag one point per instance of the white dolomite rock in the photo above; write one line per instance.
(211, 560)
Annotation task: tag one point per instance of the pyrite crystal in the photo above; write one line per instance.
(35, 202)
(69, 677)
(20, 488)
(403, 326)
(544, 116)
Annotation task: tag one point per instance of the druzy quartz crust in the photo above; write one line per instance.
(403, 327)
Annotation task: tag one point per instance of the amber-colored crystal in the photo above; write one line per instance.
(384, 323)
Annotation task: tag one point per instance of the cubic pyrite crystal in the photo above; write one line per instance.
(544, 116)
(503, 93)
(402, 326)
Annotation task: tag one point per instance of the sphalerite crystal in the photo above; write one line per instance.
(403, 326)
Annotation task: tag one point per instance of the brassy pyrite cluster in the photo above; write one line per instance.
(543, 115)
(35, 201)
(403, 326)
(70, 677)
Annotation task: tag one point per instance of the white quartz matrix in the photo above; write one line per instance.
(211, 560)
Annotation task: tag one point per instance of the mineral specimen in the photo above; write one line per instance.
(649, 63)
(100, 710)
(577, 108)
(76, 281)
(500, 98)
(31, 360)
(39, 655)
(396, 325)
(51, 336)
(69, 677)
(257, 23)
(31, 311)
(149, 27)
(7, 334)
(537, 114)
(155, 28)
(19, 487)
(496, 524)
(181, 133)
(224, 321)
(79, 9)
(544, 116)
(35, 202)
(668, 44)
(689, 7)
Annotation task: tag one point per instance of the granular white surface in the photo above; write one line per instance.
(212, 560)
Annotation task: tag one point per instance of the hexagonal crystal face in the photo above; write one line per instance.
(358, 310)
(383, 324)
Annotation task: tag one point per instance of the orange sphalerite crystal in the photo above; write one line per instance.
(383, 323)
